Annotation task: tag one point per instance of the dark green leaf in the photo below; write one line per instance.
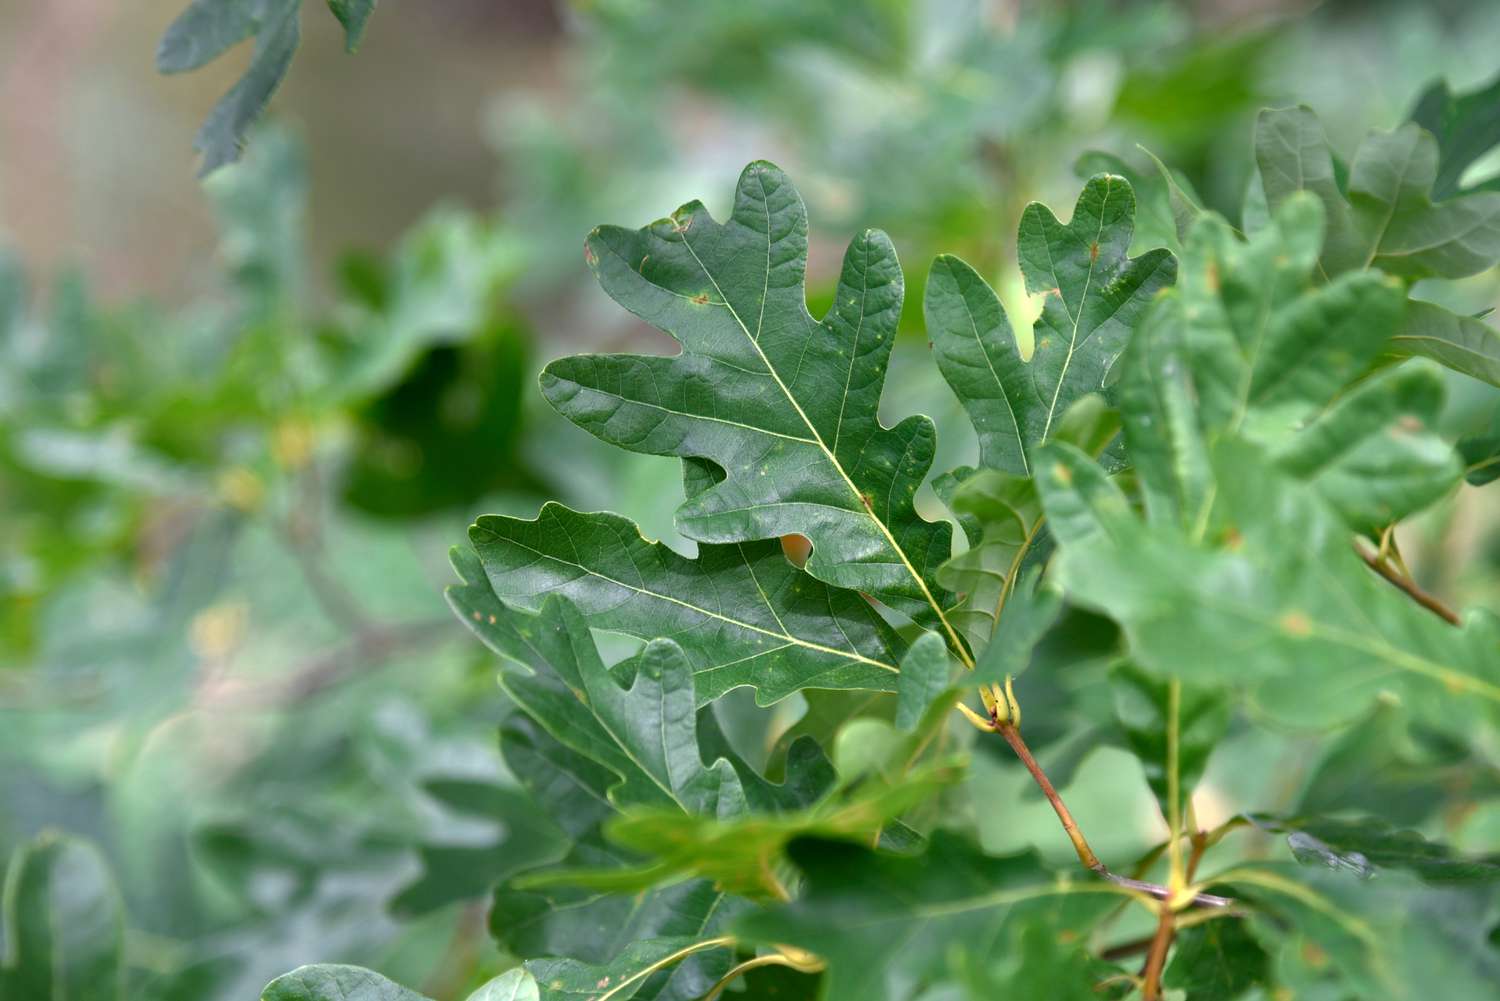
(627, 975)
(1095, 295)
(1467, 126)
(1330, 933)
(1142, 709)
(786, 406)
(935, 914)
(1218, 959)
(743, 613)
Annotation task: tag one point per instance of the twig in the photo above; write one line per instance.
(1156, 957)
(1086, 854)
(1407, 585)
(368, 647)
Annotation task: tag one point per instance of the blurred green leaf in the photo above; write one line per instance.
(64, 925)
(352, 14)
(1142, 707)
(1367, 846)
(207, 29)
(1386, 217)
(1467, 126)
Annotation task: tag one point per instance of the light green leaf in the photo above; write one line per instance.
(1387, 218)
(1095, 295)
(743, 614)
(1006, 514)
(1142, 710)
(744, 856)
(1373, 454)
(332, 982)
(785, 405)
(1271, 575)
(1245, 345)
(64, 925)
(926, 673)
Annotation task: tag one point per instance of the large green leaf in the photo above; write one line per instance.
(937, 916)
(1385, 217)
(784, 405)
(743, 614)
(64, 925)
(1095, 294)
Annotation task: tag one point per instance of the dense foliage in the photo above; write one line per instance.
(790, 756)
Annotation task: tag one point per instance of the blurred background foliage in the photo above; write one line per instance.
(241, 421)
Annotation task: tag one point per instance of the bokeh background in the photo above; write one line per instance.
(242, 419)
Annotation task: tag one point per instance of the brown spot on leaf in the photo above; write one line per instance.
(1093, 252)
(797, 548)
(1233, 540)
(588, 254)
(701, 298)
(1062, 474)
(1211, 276)
(1295, 623)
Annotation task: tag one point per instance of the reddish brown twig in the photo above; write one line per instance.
(1408, 586)
(1086, 854)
